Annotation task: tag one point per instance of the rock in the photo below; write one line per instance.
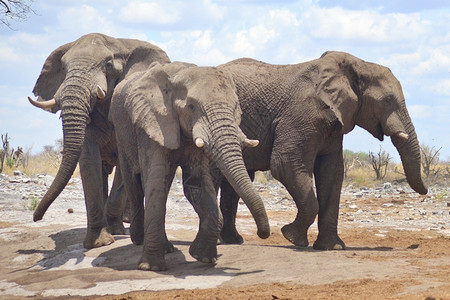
(387, 186)
(17, 173)
(47, 180)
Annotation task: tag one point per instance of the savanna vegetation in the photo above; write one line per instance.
(17, 158)
(360, 168)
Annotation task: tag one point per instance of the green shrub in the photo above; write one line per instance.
(32, 205)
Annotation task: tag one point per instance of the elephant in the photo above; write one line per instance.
(300, 113)
(79, 79)
(174, 115)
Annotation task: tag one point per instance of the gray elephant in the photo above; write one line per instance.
(181, 115)
(79, 78)
(299, 113)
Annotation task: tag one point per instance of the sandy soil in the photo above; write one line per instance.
(398, 247)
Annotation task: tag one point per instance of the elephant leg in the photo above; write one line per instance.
(135, 194)
(157, 178)
(329, 173)
(200, 191)
(115, 204)
(229, 201)
(93, 185)
(299, 184)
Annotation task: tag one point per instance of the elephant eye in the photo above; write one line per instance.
(389, 100)
(191, 107)
(109, 66)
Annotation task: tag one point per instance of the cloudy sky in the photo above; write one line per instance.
(411, 37)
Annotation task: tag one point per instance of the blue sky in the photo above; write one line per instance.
(410, 37)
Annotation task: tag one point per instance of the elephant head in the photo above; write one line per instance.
(201, 104)
(368, 95)
(77, 78)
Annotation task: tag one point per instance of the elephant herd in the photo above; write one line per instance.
(124, 104)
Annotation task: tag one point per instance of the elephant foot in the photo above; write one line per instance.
(203, 252)
(154, 263)
(137, 231)
(126, 215)
(293, 235)
(230, 236)
(169, 248)
(97, 238)
(115, 226)
(329, 241)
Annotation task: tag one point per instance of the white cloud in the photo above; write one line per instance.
(364, 25)
(85, 19)
(418, 112)
(183, 15)
(442, 87)
(149, 13)
(7, 54)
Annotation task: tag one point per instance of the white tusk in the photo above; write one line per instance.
(250, 143)
(100, 93)
(43, 104)
(403, 136)
(199, 142)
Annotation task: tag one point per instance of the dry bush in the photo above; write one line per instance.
(47, 162)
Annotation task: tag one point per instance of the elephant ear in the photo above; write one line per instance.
(149, 104)
(52, 74)
(338, 87)
(140, 55)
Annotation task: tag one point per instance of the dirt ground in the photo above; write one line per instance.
(398, 247)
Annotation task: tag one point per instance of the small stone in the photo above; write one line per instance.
(70, 210)
(353, 206)
(358, 195)
(413, 246)
(387, 186)
(17, 173)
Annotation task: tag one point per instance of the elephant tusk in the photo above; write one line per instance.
(250, 143)
(43, 104)
(199, 142)
(403, 136)
(101, 94)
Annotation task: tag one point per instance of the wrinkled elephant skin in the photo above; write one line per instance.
(180, 115)
(300, 114)
(79, 78)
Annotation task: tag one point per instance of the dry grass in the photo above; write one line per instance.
(48, 163)
(365, 176)
(43, 164)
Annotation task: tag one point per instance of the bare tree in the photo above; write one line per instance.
(430, 159)
(54, 153)
(15, 10)
(351, 160)
(5, 151)
(380, 162)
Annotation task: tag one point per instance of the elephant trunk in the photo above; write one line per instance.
(225, 149)
(409, 151)
(74, 113)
